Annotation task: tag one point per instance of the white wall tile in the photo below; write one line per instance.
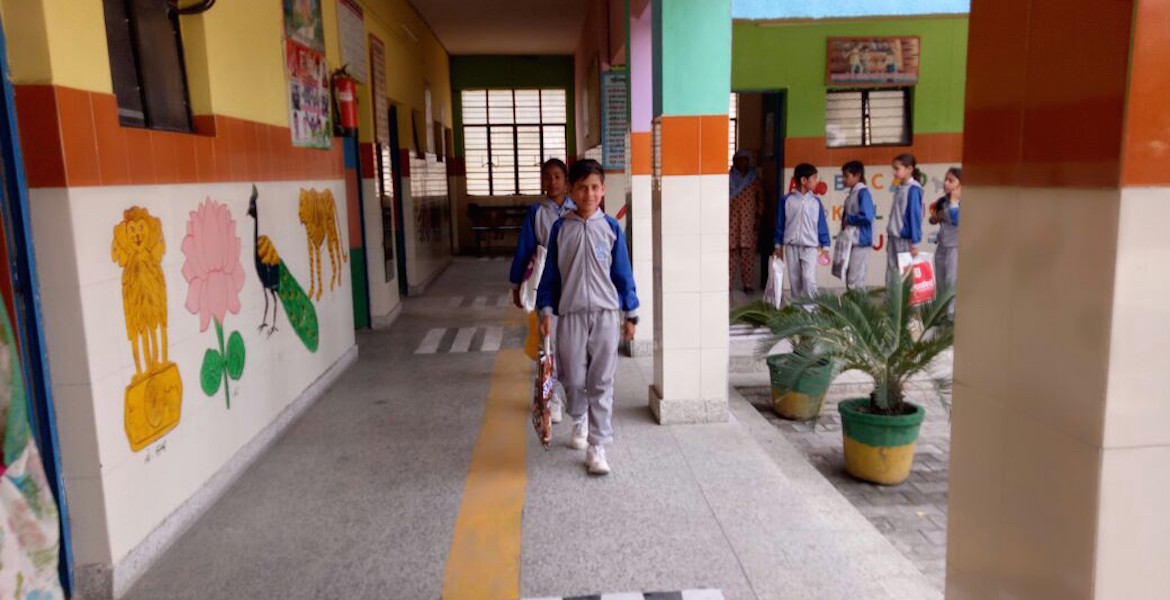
(715, 200)
(1050, 490)
(1061, 300)
(1138, 403)
(714, 262)
(681, 205)
(1133, 532)
(715, 319)
(715, 367)
(681, 320)
(682, 374)
(680, 263)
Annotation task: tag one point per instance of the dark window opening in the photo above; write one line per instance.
(146, 62)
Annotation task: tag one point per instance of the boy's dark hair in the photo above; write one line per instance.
(803, 170)
(555, 162)
(584, 168)
(956, 172)
(854, 167)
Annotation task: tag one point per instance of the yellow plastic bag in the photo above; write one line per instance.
(532, 343)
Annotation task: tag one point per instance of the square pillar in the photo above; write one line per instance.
(692, 79)
(1061, 418)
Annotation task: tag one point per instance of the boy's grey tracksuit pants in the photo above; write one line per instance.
(587, 348)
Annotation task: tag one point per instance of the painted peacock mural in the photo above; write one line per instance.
(281, 286)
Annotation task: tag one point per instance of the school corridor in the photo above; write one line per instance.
(440, 489)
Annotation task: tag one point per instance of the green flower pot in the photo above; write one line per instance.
(803, 401)
(879, 448)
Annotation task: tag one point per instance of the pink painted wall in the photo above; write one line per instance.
(641, 67)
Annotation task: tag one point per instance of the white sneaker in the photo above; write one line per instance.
(555, 410)
(580, 435)
(595, 460)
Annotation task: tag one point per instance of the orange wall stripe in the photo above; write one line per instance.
(641, 148)
(72, 138)
(694, 145)
(1147, 135)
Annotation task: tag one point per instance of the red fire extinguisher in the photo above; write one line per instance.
(345, 99)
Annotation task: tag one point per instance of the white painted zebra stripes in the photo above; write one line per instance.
(450, 340)
(500, 301)
(462, 341)
(683, 595)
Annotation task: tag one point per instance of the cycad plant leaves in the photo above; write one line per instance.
(888, 339)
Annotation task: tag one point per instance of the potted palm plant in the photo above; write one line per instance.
(798, 390)
(891, 341)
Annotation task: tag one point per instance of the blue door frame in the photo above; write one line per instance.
(27, 303)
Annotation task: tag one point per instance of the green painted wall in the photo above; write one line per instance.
(495, 72)
(792, 56)
(691, 62)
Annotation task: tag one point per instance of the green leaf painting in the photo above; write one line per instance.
(224, 365)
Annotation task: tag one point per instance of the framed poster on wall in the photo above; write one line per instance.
(873, 61)
(308, 96)
(303, 24)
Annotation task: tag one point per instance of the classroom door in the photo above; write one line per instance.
(771, 171)
(18, 286)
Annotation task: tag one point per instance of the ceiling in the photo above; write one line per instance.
(505, 26)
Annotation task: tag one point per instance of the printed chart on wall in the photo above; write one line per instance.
(308, 96)
(873, 61)
(352, 31)
(381, 101)
(615, 111)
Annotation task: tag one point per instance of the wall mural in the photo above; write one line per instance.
(318, 213)
(155, 394)
(278, 282)
(215, 277)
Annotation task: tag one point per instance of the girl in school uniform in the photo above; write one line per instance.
(905, 227)
(945, 214)
(858, 223)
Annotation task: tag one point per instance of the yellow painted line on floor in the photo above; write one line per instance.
(484, 562)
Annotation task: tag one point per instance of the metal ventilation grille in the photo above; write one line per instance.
(867, 118)
(507, 134)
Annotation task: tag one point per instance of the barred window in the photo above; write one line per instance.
(507, 134)
(868, 118)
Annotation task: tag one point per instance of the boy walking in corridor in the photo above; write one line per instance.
(588, 284)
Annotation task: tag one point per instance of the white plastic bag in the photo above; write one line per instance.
(532, 279)
(773, 292)
(841, 250)
(921, 269)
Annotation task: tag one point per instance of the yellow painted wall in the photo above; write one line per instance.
(234, 55)
(62, 42)
(410, 65)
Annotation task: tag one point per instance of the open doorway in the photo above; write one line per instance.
(758, 127)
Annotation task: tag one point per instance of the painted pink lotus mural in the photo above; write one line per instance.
(215, 278)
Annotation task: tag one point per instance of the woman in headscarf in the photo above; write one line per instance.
(747, 205)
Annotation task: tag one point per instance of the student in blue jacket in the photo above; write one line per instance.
(905, 228)
(857, 222)
(535, 232)
(802, 232)
(945, 214)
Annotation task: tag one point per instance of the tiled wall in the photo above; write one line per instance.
(72, 138)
